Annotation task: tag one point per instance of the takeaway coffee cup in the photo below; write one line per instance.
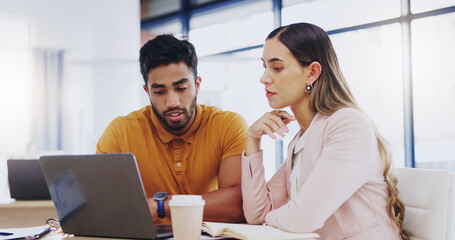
(186, 214)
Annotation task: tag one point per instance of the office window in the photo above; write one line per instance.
(237, 27)
(373, 70)
(15, 101)
(433, 51)
(232, 83)
(370, 57)
(157, 8)
(236, 77)
(172, 27)
(15, 34)
(200, 2)
(418, 6)
(15, 88)
(333, 14)
(16, 108)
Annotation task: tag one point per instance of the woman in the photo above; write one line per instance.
(336, 180)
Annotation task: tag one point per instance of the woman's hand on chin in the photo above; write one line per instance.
(271, 123)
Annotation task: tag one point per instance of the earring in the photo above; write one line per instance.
(308, 88)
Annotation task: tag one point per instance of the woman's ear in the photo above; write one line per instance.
(315, 69)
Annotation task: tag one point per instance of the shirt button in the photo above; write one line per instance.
(179, 164)
(177, 151)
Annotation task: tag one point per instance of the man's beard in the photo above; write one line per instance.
(163, 120)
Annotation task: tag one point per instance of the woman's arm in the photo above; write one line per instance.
(349, 144)
(259, 197)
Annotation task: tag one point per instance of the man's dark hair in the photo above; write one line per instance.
(164, 50)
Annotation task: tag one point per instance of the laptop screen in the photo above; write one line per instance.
(99, 195)
(26, 180)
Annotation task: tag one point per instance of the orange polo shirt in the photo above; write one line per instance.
(186, 164)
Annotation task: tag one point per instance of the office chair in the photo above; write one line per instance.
(429, 196)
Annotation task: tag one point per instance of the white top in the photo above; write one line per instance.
(296, 161)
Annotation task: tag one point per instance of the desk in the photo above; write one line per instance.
(26, 213)
(59, 236)
(33, 213)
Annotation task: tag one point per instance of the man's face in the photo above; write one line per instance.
(172, 92)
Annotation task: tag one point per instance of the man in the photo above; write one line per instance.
(181, 147)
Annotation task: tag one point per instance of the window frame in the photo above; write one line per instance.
(188, 10)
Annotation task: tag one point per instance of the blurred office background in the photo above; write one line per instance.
(68, 67)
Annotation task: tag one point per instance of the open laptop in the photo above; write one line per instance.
(26, 180)
(100, 195)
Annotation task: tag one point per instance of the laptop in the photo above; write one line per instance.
(100, 195)
(26, 180)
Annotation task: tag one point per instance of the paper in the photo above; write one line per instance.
(24, 233)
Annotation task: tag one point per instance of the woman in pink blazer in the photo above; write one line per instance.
(336, 180)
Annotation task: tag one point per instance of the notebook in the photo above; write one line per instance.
(100, 195)
(26, 180)
(247, 231)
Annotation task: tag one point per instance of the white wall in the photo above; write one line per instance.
(101, 40)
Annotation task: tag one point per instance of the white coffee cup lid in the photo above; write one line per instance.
(186, 200)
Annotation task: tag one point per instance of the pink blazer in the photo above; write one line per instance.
(342, 191)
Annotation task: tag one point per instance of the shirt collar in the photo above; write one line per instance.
(300, 143)
(167, 136)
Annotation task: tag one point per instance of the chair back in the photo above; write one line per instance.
(428, 195)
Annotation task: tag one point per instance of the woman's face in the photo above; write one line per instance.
(284, 78)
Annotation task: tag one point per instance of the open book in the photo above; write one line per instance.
(246, 231)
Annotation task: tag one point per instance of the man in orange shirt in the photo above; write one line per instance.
(181, 147)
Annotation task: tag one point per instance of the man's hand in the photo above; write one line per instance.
(153, 206)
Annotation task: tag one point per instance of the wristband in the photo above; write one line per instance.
(160, 197)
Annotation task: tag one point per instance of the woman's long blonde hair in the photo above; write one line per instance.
(309, 43)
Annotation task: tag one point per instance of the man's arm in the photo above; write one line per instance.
(224, 204)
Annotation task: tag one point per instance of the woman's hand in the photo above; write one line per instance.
(270, 123)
